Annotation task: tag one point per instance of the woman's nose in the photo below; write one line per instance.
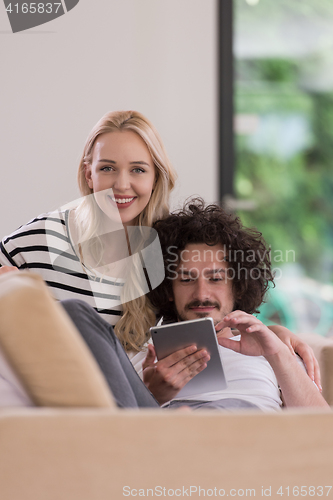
(122, 181)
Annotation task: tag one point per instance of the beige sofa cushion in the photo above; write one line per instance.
(44, 348)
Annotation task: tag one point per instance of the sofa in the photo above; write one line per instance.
(73, 443)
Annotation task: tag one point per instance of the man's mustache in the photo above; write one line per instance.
(199, 303)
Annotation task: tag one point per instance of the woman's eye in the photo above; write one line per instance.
(138, 170)
(106, 169)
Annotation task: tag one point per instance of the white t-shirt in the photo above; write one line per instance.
(249, 378)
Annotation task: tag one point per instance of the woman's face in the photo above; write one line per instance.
(121, 175)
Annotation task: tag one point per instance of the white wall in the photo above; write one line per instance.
(58, 79)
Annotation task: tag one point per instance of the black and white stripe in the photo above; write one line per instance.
(43, 246)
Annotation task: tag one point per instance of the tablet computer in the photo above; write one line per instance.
(170, 338)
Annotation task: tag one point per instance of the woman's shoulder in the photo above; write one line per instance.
(41, 224)
(35, 238)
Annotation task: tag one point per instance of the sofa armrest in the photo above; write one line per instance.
(44, 348)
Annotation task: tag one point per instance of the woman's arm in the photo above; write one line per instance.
(296, 345)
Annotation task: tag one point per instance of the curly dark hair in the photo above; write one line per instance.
(245, 249)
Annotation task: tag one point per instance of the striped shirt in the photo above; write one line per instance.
(44, 246)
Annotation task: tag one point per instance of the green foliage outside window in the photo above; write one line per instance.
(284, 151)
(293, 196)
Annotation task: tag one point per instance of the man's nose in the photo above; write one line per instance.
(122, 181)
(201, 289)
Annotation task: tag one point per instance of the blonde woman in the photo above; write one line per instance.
(125, 178)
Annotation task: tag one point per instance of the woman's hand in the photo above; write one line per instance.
(165, 378)
(296, 345)
(7, 269)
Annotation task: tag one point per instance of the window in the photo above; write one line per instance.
(283, 150)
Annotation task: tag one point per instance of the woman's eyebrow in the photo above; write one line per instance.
(107, 161)
(139, 163)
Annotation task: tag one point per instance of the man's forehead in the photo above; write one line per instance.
(201, 253)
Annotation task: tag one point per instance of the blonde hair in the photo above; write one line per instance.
(138, 315)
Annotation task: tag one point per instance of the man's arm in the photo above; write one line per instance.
(257, 340)
(296, 346)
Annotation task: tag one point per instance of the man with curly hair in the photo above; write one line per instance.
(215, 267)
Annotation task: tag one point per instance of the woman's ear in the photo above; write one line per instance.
(87, 174)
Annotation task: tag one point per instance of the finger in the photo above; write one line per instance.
(306, 354)
(226, 332)
(246, 322)
(174, 378)
(222, 329)
(220, 326)
(235, 314)
(184, 370)
(179, 355)
(168, 370)
(291, 349)
(151, 349)
(256, 327)
(317, 377)
(311, 364)
(191, 371)
(229, 344)
(190, 362)
(239, 317)
(150, 358)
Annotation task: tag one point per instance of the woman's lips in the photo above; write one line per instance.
(122, 202)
